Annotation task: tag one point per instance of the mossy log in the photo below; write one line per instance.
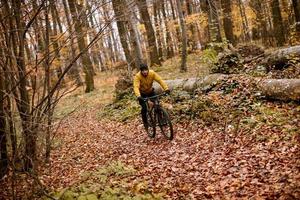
(281, 89)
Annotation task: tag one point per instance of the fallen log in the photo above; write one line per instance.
(280, 58)
(191, 84)
(281, 89)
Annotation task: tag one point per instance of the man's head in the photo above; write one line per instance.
(144, 69)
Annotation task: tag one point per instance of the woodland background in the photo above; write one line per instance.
(50, 50)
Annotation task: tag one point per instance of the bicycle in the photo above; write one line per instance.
(157, 115)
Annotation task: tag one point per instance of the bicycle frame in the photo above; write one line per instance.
(156, 101)
(158, 116)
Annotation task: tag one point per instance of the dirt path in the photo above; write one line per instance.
(200, 163)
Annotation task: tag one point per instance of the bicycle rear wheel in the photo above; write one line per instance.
(165, 123)
(151, 126)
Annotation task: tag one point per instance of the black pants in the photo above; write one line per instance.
(144, 106)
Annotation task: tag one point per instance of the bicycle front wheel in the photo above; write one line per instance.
(165, 123)
(151, 126)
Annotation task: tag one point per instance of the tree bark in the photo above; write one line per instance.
(277, 23)
(213, 21)
(183, 67)
(158, 34)
(192, 40)
(282, 56)
(244, 20)
(53, 32)
(134, 37)
(296, 8)
(154, 58)
(74, 72)
(22, 99)
(227, 20)
(47, 80)
(191, 84)
(170, 49)
(281, 89)
(261, 22)
(3, 145)
(118, 9)
(86, 61)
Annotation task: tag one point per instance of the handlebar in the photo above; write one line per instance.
(155, 96)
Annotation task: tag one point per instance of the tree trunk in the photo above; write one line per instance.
(170, 49)
(296, 7)
(227, 20)
(110, 37)
(154, 58)
(277, 23)
(118, 9)
(3, 145)
(134, 37)
(54, 33)
(156, 10)
(281, 89)
(86, 61)
(47, 80)
(22, 99)
(83, 19)
(183, 67)
(244, 21)
(261, 22)
(213, 21)
(192, 40)
(74, 72)
(174, 17)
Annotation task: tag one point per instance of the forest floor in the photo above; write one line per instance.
(228, 144)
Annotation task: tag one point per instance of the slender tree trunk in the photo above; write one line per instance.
(22, 100)
(227, 20)
(177, 36)
(277, 23)
(183, 67)
(3, 145)
(47, 82)
(156, 9)
(193, 38)
(213, 21)
(83, 20)
(6, 57)
(244, 20)
(110, 38)
(154, 58)
(134, 37)
(296, 8)
(74, 72)
(261, 22)
(86, 61)
(170, 49)
(54, 33)
(118, 9)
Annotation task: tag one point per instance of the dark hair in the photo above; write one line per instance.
(143, 66)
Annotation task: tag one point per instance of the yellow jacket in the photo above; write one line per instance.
(143, 84)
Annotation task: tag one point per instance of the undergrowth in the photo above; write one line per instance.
(113, 181)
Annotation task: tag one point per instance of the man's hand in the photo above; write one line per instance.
(167, 91)
(140, 98)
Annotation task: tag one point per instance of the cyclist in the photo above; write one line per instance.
(142, 86)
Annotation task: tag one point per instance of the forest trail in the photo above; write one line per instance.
(200, 163)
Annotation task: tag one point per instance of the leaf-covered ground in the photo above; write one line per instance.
(230, 143)
(259, 159)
